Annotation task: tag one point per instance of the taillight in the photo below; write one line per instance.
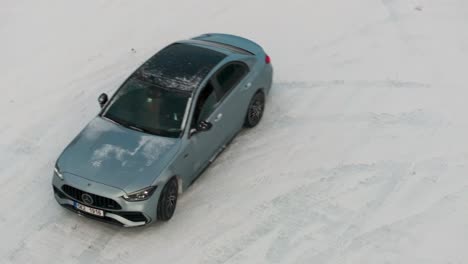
(267, 59)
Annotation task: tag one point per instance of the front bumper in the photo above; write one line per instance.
(131, 214)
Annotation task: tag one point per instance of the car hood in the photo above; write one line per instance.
(113, 155)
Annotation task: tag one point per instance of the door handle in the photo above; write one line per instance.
(218, 117)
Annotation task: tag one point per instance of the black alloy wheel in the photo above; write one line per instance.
(168, 200)
(255, 110)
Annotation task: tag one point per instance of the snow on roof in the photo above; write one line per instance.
(180, 66)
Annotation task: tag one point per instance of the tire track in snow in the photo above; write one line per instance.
(392, 176)
(285, 241)
(279, 221)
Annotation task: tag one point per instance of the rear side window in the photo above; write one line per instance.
(230, 76)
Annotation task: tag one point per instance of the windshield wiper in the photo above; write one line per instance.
(127, 124)
(157, 132)
(123, 123)
(115, 120)
(144, 130)
(136, 128)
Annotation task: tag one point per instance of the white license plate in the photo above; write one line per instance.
(88, 210)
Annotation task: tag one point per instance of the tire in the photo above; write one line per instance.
(255, 110)
(168, 200)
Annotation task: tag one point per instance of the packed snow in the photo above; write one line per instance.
(361, 156)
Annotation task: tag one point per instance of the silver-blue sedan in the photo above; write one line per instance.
(160, 130)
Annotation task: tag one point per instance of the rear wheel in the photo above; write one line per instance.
(168, 200)
(255, 110)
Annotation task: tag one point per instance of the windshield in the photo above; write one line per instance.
(142, 106)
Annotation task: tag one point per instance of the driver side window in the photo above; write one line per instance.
(205, 104)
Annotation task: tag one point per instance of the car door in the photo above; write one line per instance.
(204, 145)
(216, 104)
(228, 83)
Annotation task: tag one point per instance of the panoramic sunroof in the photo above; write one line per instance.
(180, 66)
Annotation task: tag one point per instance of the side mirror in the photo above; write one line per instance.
(202, 126)
(102, 99)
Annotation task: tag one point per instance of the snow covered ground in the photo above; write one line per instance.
(361, 156)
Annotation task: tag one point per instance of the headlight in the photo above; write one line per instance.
(140, 195)
(57, 172)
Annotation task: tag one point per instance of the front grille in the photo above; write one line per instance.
(132, 216)
(59, 193)
(98, 201)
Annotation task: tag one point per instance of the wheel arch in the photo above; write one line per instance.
(180, 183)
(261, 89)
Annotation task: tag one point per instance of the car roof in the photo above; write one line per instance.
(180, 66)
(224, 47)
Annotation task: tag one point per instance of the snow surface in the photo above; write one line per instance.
(361, 156)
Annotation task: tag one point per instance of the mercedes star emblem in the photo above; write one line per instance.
(87, 199)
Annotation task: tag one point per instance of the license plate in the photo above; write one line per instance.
(88, 210)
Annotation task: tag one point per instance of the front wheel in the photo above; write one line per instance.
(168, 200)
(255, 110)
